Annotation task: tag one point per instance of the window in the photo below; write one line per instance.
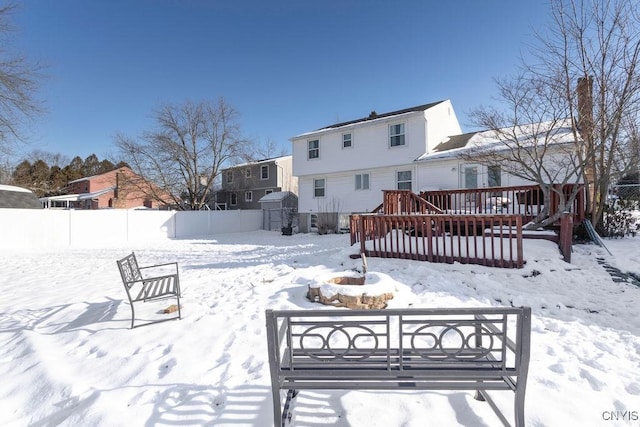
(267, 192)
(247, 173)
(346, 140)
(314, 149)
(264, 172)
(403, 179)
(234, 199)
(494, 176)
(318, 187)
(396, 134)
(362, 181)
(229, 176)
(248, 196)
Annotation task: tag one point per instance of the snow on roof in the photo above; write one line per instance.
(527, 135)
(82, 196)
(273, 159)
(275, 196)
(4, 187)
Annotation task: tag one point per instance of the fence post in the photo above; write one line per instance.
(566, 235)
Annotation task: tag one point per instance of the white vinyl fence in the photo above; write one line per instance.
(20, 228)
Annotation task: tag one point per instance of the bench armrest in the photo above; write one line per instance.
(160, 265)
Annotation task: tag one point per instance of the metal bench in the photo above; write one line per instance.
(399, 349)
(153, 282)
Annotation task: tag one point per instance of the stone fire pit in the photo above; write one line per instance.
(352, 291)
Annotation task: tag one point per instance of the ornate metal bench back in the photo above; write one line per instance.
(129, 270)
(396, 339)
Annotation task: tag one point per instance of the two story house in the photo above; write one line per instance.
(120, 188)
(343, 168)
(244, 185)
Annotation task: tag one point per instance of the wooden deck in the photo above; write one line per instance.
(470, 226)
(491, 240)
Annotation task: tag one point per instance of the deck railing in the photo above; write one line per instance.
(404, 202)
(524, 200)
(491, 240)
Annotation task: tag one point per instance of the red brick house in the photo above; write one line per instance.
(120, 189)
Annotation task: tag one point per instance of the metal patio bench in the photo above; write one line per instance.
(150, 283)
(399, 349)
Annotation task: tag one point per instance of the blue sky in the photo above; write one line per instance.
(288, 66)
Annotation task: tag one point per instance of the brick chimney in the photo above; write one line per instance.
(584, 91)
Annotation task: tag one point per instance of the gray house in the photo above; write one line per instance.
(244, 185)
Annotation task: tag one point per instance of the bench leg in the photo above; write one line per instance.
(286, 411)
(277, 409)
(133, 313)
(519, 407)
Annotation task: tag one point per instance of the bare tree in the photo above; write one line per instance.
(18, 84)
(186, 153)
(596, 43)
(531, 138)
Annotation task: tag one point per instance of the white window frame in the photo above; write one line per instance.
(229, 176)
(324, 188)
(262, 174)
(360, 181)
(248, 196)
(398, 181)
(315, 150)
(393, 135)
(247, 173)
(233, 199)
(349, 139)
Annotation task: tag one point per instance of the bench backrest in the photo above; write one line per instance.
(400, 339)
(129, 270)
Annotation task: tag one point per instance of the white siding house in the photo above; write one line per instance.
(344, 167)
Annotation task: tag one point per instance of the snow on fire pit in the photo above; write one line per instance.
(353, 290)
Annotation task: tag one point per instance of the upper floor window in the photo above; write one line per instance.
(346, 140)
(247, 172)
(248, 196)
(264, 172)
(229, 176)
(403, 180)
(362, 181)
(314, 149)
(396, 134)
(318, 187)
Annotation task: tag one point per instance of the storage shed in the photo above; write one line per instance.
(279, 209)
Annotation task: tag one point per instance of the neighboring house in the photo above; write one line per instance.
(12, 197)
(120, 188)
(244, 185)
(344, 167)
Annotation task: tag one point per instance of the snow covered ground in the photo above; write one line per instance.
(68, 358)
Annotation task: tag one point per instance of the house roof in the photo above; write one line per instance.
(100, 174)
(375, 116)
(276, 196)
(452, 146)
(83, 196)
(18, 198)
(257, 162)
